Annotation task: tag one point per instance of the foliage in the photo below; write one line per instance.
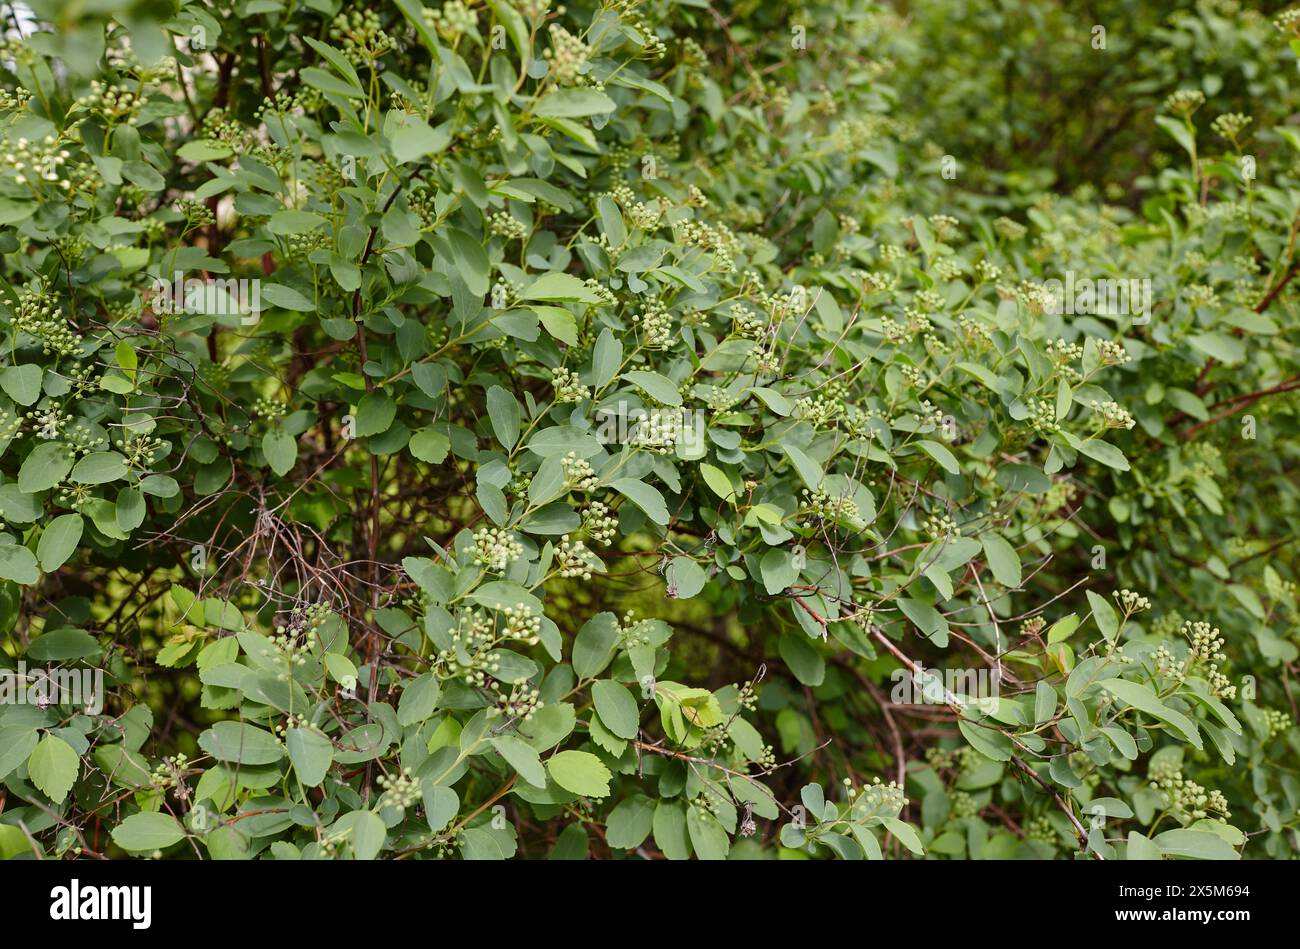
(626, 411)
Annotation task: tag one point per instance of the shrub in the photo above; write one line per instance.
(624, 430)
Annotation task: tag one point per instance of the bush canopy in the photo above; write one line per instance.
(649, 430)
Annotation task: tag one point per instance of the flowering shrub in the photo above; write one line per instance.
(621, 430)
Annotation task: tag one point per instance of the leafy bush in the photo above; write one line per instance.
(639, 430)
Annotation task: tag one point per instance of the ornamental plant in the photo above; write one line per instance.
(643, 430)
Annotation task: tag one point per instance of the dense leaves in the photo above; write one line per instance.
(648, 430)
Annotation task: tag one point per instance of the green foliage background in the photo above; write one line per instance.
(388, 568)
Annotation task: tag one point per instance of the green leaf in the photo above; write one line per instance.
(16, 745)
(204, 149)
(643, 496)
(240, 742)
(779, 570)
(990, 743)
(580, 772)
(809, 471)
(946, 459)
(415, 139)
(286, 298)
(287, 223)
(1141, 848)
(1181, 134)
(471, 261)
(18, 564)
(685, 577)
(22, 383)
(606, 358)
(281, 450)
(311, 753)
(573, 104)
(1105, 616)
(1196, 844)
(441, 804)
(53, 767)
(927, 619)
(520, 756)
(1106, 453)
(905, 833)
(630, 822)
(1144, 699)
(503, 412)
(617, 709)
(368, 833)
(419, 699)
(1226, 349)
(556, 286)
(593, 647)
(708, 838)
(515, 26)
(718, 482)
(99, 467)
(670, 832)
(375, 414)
(148, 831)
(59, 541)
(328, 82)
(429, 446)
(59, 645)
(1002, 558)
(46, 465)
(807, 664)
(1044, 702)
(559, 322)
(1063, 628)
(660, 388)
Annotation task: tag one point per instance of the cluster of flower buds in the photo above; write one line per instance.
(656, 326)
(361, 36)
(941, 526)
(453, 21)
(1185, 101)
(522, 702)
(1188, 801)
(1113, 415)
(506, 225)
(31, 162)
(819, 412)
(293, 645)
(400, 791)
(575, 559)
(567, 386)
(597, 522)
(118, 104)
(141, 451)
(496, 548)
(39, 315)
(578, 473)
(521, 623)
(1131, 602)
(1230, 125)
(170, 772)
(567, 55)
(821, 508)
(658, 432)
